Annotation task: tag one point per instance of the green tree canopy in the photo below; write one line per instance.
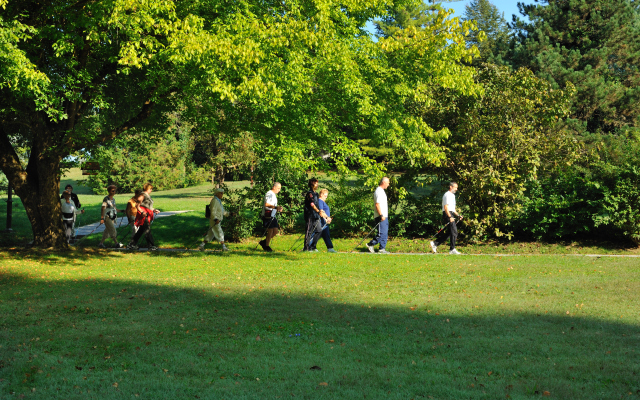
(595, 44)
(492, 30)
(301, 74)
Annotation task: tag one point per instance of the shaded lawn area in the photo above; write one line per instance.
(102, 325)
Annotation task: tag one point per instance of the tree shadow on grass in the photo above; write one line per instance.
(102, 339)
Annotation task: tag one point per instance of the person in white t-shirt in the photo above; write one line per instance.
(268, 214)
(381, 212)
(449, 216)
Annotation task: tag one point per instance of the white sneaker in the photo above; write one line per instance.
(371, 249)
(331, 250)
(383, 251)
(434, 247)
(455, 252)
(225, 248)
(201, 247)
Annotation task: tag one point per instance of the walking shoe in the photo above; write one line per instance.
(132, 246)
(433, 247)
(331, 250)
(119, 245)
(201, 247)
(102, 246)
(383, 251)
(268, 248)
(263, 244)
(153, 248)
(225, 248)
(370, 248)
(454, 251)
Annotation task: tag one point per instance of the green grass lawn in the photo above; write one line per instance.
(93, 324)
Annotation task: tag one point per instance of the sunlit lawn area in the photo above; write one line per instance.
(102, 325)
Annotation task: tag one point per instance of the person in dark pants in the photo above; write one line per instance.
(145, 216)
(449, 215)
(325, 234)
(312, 215)
(381, 212)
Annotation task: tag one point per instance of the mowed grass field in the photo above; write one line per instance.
(90, 324)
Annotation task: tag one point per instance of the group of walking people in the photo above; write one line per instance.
(317, 215)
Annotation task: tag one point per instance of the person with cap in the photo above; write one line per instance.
(312, 215)
(268, 215)
(449, 215)
(381, 212)
(215, 219)
(69, 212)
(76, 203)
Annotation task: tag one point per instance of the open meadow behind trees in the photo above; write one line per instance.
(91, 324)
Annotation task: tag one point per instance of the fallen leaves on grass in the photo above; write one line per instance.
(323, 384)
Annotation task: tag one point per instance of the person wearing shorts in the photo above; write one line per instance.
(268, 214)
(69, 212)
(108, 215)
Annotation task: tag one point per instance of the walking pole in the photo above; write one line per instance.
(94, 229)
(365, 237)
(295, 241)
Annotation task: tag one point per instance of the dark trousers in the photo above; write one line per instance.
(68, 229)
(453, 232)
(326, 236)
(383, 233)
(145, 229)
(313, 232)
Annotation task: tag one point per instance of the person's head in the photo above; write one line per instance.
(111, 189)
(313, 183)
(69, 188)
(148, 187)
(324, 193)
(137, 195)
(384, 182)
(218, 193)
(66, 195)
(276, 187)
(453, 187)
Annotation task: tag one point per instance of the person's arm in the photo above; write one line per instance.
(379, 210)
(315, 207)
(104, 207)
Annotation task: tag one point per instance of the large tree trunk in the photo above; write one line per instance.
(38, 186)
(41, 199)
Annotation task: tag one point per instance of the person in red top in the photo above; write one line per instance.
(144, 217)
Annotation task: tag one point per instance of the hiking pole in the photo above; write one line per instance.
(444, 227)
(365, 237)
(94, 229)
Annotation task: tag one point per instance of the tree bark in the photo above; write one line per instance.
(38, 186)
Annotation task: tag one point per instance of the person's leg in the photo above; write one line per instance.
(374, 241)
(326, 236)
(384, 233)
(141, 231)
(68, 229)
(442, 236)
(271, 233)
(309, 230)
(454, 235)
(316, 232)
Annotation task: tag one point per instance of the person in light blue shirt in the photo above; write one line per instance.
(325, 234)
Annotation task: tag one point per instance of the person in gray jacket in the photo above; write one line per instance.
(215, 220)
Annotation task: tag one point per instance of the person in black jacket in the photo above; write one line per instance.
(312, 215)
